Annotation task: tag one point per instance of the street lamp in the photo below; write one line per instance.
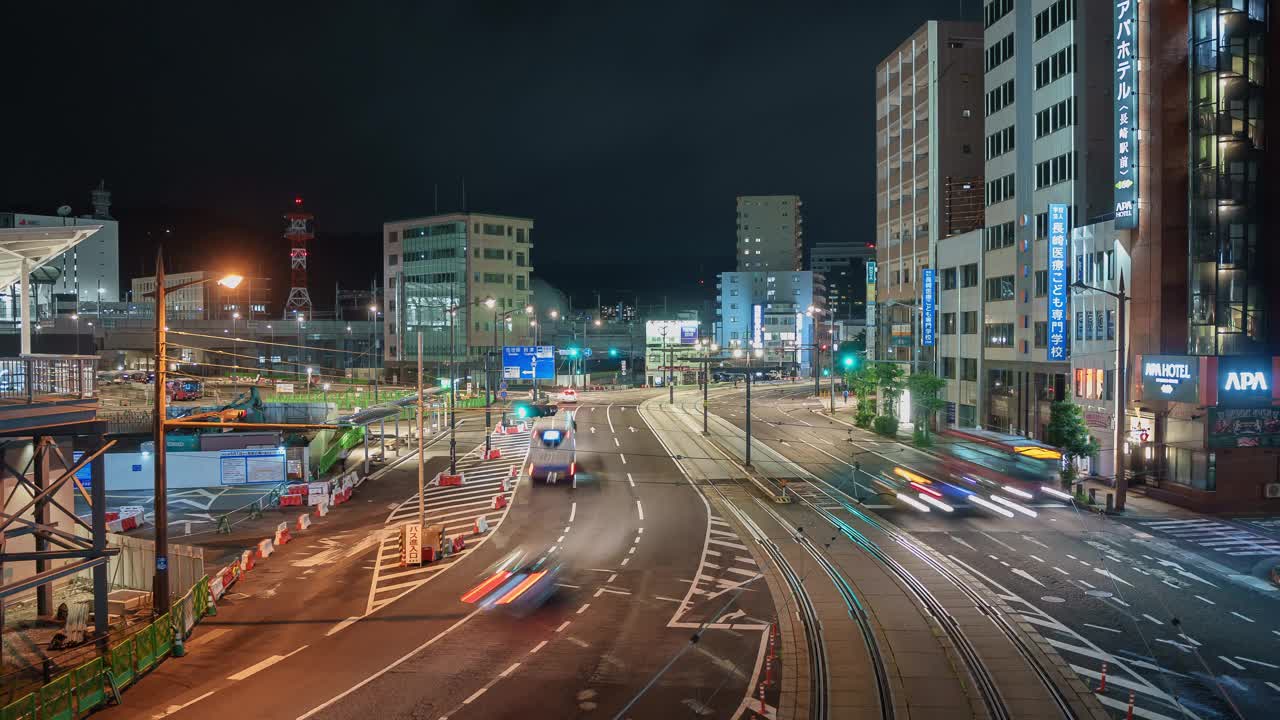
(235, 349)
(160, 582)
(1122, 385)
(76, 317)
(492, 303)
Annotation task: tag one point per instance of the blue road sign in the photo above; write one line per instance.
(528, 362)
(586, 352)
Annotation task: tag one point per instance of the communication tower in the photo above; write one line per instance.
(299, 230)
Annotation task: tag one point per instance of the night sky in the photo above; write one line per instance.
(624, 129)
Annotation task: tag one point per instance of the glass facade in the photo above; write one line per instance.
(434, 279)
(1228, 73)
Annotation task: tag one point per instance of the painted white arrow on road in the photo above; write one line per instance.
(1026, 576)
(593, 430)
(632, 429)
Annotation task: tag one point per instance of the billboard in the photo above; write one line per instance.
(1244, 380)
(1057, 304)
(528, 362)
(1244, 427)
(671, 332)
(1175, 378)
(1125, 67)
(927, 308)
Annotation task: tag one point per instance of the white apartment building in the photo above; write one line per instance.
(1048, 78)
(960, 305)
(770, 232)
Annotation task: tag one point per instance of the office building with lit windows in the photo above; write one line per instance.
(770, 230)
(456, 260)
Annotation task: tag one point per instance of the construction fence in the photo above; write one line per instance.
(102, 679)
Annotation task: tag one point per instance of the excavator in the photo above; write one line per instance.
(247, 407)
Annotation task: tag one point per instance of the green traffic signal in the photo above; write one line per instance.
(573, 352)
(849, 361)
(522, 411)
(613, 352)
(826, 372)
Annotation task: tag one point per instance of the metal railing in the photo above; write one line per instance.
(32, 378)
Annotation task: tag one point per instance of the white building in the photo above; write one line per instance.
(1048, 78)
(770, 233)
(960, 306)
(90, 271)
(770, 311)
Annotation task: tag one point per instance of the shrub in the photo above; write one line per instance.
(921, 438)
(863, 419)
(886, 425)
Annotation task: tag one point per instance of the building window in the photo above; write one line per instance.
(1055, 170)
(1000, 288)
(520, 282)
(1000, 98)
(1000, 236)
(998, 335)
(1042, 283)
(968, 368)
(1079, 325)
(393, 259)
(969, 322)
(996, 9)
(949, 367)
(999, 52)
(1042, 334)
(1111, 324)
(1000, 189)
(519, 259)
(949, 323)
(948, 278)
(1054, 16)
(969, 275)
(1000, 142)
(1055, 117)
(1057, 65)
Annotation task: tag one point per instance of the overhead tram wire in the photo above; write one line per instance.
(252, 357)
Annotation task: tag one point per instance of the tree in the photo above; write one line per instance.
(1067, 430)
(925, 388)
(891, 382)
(863, 384)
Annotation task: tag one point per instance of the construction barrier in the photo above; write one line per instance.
(322, 509)
(265, 548)
(481, 526)
(446, 480)
(499, 501)
(282, 536)
(248, 559)
(304, 521)
(493, 454)
(291, 500)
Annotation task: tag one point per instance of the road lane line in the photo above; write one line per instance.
(606, 417)
(573, 511)
(510, 669)
(538, 647)
(625, 561)
(563, 625)
(640, 509)
(640, 531)
(342, 625)
(1205, 600)
(1258, 662)
(1272, 685)
(632, 550)
(616, 443)
(259, 667)
(175, 708)
(636, 540)
(403, 659)
(612, 577)
(599, 592)
(566, 529)
(560, 539)
(474, 695)
(623, 458)
(630, 481)
(583, 608)
(1033, 557)
(1246, 618)
(1230, 662)
(1099, 627)
(1152, 619)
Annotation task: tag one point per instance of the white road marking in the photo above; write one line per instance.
(1033, 557)
(560, 539)
(1099, 627)
(640, 509)
(1246, 618)
(474, 695)
(1026, 575)
(606, 417)
(573, 511)
(1272, 685)
(1112, 576)
(1230, 662)
(625, 561)
(1152, 619)
(538, 647)
(612, 577)
(996, 540)
(962, 542)
(175, 708)
(1064, 572)
(583, 608)
(1258, 662)
(1205, 600)
(1118, 601)
(263, 665)
(623, 458)
(616, 443)
(341, 626)
(510, 669)
(631, 482)
(1181, 646)
(668, 599)
(566, 529)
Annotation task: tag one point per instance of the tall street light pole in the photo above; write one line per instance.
(1122, 386)
(160, 581)
(488, 417)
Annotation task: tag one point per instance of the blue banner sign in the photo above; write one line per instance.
(1057, 305)
(927, 308)
(528, 362)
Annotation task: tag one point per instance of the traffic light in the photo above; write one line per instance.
(573, 352)
(826, 372)
(613, 352)
(849, 362)
(444, 383)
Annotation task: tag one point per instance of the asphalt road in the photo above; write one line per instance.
(1172, 605)
(615, 635)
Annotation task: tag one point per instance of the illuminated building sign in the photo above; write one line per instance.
(1244, 381)
(757, 324)
(1125, 66)
(926, 308)
(1171, 377)
(1057, 304)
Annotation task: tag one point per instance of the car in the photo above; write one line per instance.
(517, 584)
(568, 395)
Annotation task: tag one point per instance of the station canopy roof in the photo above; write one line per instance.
(37, 245)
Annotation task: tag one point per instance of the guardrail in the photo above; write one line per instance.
(90, 685)
(41, 378)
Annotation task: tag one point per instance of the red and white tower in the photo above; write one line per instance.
(299, 227)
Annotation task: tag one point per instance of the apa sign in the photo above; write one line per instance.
(1171, 377)
(1244, 381)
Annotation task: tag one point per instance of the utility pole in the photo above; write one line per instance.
(1122, 393)
(748, 453)
(422, 503)
(832, 340)
(160, 584)
(453, 387)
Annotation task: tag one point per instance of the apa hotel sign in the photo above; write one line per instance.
(1244, 381)
(1175, 378)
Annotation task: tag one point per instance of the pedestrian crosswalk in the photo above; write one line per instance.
(725, 567)
(1218, 536)
(457, 509)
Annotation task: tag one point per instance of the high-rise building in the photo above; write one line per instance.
(843, 269)
(1048, 116)
(770, 233)
(928, 137)
(456, 260)
(769, 311)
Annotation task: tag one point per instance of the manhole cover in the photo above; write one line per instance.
(1098, 593)
(1052, 599)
